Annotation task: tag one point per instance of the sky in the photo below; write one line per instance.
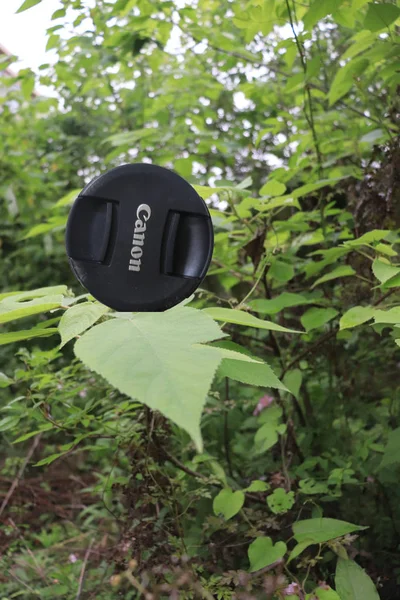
(24, 34)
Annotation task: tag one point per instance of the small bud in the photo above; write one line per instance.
(132, 564)
(115, 580)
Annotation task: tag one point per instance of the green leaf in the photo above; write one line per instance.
(68, 198)
(386, 249)
(280, 501)
(38, 293)
(362, 41)
(342, 271)
(5, 381)
(27, 436)
(157, 359)
(284, 300)
(28, 4)
(239, 317)
(52, 42)
(205, 192)
(266, 437)
(49, 459)
(258, 486)
(305, 190)
(130, 138)
(18, 336)
(318, 10)
(55, 223)
(353, 583)
(391, 454)
(383, 270)
(263, 552)
(323, 594)
(228, 503)
(252, 373)
(281, 271)
(27, 86)
(310, 487)
(391, 316)
(344, 79)
(293, 380)
(373, 136)
(392, 282)
(79, 318)
(8, 423)
(58, 14)
(380, 16)
(298, 549)
(273, 188)
(317, 317)
(15, 307)
(376, 235)
(317, 531)
(356, 316)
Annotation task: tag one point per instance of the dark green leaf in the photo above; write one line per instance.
(353, 583)
(380, 15)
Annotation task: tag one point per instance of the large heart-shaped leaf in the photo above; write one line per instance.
(262, 552)
(228, 503)
(159, 359)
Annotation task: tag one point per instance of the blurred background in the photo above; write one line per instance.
(285, 116)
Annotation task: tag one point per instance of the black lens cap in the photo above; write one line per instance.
(139, 238)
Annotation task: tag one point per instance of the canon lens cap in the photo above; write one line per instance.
(139, 238)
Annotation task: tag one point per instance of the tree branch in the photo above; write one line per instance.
(226, 429)
(84, 565)
(20, 473)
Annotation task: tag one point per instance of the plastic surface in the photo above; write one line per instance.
(139, 238)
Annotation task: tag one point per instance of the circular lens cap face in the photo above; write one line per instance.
(139, 238)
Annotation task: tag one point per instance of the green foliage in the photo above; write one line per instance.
(391, 454)
(263, 552)
(28, 4)
(315, 318)
(356, 316)
(353, 583)
(317, 531)
(284, 117)
(380, 16)
(280, 501)
(321, 530)
(228, 503)
(229, 315)
(167, 364)
(78, 319)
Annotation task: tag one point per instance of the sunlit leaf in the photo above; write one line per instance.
(28, 4)
(79, 318)
(228, 503)
(353, 583)
(240, 317)
(158, 359)
(342, 271)
(380, 15)
(263, 552)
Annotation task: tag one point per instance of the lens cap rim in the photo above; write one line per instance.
(124, 189)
